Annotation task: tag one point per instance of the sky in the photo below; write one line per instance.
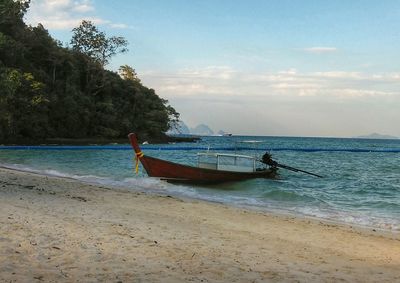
(273, 67)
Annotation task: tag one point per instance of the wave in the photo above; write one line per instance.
(291, 196)
(275, 200)
(144, 184)
(91, 179)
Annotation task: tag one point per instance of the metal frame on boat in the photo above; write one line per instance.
(226, 162)
(206, 172)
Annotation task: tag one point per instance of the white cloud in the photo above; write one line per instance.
(119, 26)
(288, 102)
(65, 14)
(320, 49)
(222, 81)
(291, 71)
(83, 7)
(339, 75)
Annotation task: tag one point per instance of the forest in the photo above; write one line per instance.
(49, 91)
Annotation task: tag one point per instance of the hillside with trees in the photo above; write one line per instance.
(48, 91)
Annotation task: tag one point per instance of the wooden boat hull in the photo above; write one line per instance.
(174, 172)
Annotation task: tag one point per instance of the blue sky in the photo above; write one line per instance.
(293, 68)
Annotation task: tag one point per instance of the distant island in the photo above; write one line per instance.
(201, 130)
(377, 137)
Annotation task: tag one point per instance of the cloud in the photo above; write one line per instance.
(329, 103)
(223, 81)
(319, 50)
(119, 26)
(65, 14)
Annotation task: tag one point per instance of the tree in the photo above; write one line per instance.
(49, 91)
(128, 73)
(173, 116)
(89, 40)
(11, 10)
(24, 104)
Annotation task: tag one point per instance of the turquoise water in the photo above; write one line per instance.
(361, 183)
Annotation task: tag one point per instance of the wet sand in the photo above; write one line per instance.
(61, 230)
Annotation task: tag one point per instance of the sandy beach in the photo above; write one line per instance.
(61, 230)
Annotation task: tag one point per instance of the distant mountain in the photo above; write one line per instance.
(221, 132)
(377, 136)
(180, 129)
(202, 130)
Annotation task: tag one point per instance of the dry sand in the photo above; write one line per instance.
(61, 230)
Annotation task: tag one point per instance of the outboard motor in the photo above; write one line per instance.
(267, 159)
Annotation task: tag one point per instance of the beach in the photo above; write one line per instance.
(63, 230)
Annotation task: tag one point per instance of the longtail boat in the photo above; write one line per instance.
(222, 167)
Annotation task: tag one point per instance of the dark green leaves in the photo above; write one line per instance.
(48, 91)
(94, 43)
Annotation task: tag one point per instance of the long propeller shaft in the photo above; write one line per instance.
(297, 170)
(267, 159)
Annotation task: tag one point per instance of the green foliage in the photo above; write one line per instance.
(94, 43)
(11, 15)
(48, 91)
(128, 73)
(24, 105)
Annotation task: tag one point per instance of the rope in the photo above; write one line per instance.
(138, 155)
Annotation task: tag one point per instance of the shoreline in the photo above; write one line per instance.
(390, 233)
(98, 141)
(60, 229)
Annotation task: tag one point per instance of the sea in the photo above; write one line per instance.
(360, 184)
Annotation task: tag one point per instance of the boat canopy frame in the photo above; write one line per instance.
(234, 166)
